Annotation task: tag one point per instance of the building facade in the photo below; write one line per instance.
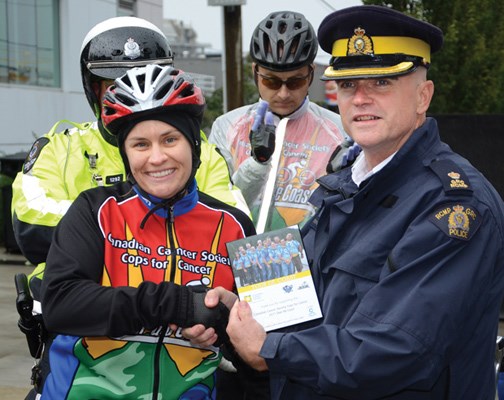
(40, 81)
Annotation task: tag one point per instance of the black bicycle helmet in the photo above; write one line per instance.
(283, 41)
(113, 46)
(155, 92)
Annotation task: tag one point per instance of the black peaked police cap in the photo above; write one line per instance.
(376, 41)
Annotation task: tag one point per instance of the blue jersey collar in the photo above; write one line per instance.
(182, 206)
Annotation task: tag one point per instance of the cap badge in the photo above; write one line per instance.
(131, 49)
(360, 44)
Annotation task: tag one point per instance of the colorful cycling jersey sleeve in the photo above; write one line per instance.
(311, 136)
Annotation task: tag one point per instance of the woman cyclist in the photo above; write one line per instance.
(130, 263)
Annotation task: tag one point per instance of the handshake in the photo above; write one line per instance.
(192, 311)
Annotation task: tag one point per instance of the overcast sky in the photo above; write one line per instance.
(207, 20)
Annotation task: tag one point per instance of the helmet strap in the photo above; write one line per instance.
(109, 138)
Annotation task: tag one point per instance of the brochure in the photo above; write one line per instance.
(271, 273)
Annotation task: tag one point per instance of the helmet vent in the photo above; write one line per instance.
(107, 111)
(282, 27)
(163, 90)
(155, 73)
(280, 49)
(187, 91)
(126, 80)
(266, 47)
(178, 82)
(127, 101)
(141, 83)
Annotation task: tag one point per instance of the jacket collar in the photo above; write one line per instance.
(182, 206)
(298, 113)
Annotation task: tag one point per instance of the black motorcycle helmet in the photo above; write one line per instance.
(115, 45)
(283, 41)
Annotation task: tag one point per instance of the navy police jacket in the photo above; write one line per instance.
(409, 270)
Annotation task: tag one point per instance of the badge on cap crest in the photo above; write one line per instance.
(131, 49)
(360, 44)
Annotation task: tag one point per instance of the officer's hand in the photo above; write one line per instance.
(344, 156)
(262, 135)
(247, 335)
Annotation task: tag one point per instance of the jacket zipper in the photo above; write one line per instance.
(159, 346)
(157, 356)
(173, 252)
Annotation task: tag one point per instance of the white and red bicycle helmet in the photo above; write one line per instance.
(159, 93)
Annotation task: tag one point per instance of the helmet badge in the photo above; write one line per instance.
(131, 49)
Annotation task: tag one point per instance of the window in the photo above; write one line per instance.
(127, 8)
(29, 44)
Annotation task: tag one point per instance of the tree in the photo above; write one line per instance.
(213, 109)
(216, 100)
(469, 70)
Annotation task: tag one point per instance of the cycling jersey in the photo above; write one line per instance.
(116, 344)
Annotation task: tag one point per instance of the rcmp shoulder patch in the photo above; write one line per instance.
(34, 153)
(453, 178)
(457, 220)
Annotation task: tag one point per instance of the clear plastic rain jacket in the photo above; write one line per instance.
(311, 136)
(116, 343)
(61, 165)
(409, 271)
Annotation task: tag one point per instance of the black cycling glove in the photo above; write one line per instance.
(262, 135)
(344, 156)
(192, 311)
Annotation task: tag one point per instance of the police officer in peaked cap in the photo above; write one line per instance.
(406, 249)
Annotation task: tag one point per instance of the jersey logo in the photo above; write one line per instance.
(34, 153)
(458, 221)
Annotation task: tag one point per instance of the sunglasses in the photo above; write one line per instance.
(275, 83)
